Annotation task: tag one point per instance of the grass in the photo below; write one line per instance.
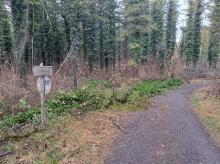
(208, 109)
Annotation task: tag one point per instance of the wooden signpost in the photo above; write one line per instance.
(43, 85)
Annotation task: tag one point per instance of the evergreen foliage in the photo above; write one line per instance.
(171, 29)
(101, 32)
(138, 26)
(192, 34)
(214, 41)
(189, 42)
(6, 42)
(197, 33)
(158, 47)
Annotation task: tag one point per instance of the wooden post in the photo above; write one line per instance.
(42, 97)
(42, 72)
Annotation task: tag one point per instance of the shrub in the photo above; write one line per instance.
(62, 99)
(97, 84)
(94, 95)
(121, 94)
(22, 104)
(2, 105)
(135, 97)
(153, 87)
(21, 117)
(107, 96)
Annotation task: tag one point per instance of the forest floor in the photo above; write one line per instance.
(169, 132)
(68, 139)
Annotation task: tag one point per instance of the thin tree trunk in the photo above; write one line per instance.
(101, 30)
(74, 67)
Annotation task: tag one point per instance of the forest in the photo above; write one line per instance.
(105, 54)
(105, 33)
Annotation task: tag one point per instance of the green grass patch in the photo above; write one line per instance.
(211, 122)
(154, 87)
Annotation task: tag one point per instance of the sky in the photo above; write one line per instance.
(182, 16)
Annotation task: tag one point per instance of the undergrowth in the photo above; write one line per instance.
(93, 96)
(154, 87)
(207, 106)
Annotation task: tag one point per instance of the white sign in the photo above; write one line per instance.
(44, 83)
(43, 70)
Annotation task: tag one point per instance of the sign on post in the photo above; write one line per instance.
(44, 85)
(47, 85)
(43, 70)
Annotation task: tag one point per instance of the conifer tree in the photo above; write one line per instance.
(181, 45)
(171, 29)
(157, 39)
(138, 26)
(189, 42)
(214, 41)
(89, 23)
(101, 33)
(73, 11)
(110, 33)
(146, 37)
(5, 32)
(197, 33)
(20, 14)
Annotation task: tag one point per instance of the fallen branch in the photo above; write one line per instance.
(5, 154)
(119, 127)
(116, 124)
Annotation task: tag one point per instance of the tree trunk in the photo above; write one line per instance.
(101, 30)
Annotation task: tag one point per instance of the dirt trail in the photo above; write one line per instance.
(168, 133)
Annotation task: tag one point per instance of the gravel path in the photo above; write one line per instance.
(168, 133)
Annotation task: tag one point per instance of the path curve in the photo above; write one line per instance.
(168, 133)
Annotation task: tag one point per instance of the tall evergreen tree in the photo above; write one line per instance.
(146, 36)
(137, 27)
(205, 34)
(5, 32)
(197, 33)
(214, 41)
(90, 37)
(189, 37)
(20, 13)
(73, 12)
(157, 40)
(171, 29)
(101, 33)
(181, 45)
(110, 32)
